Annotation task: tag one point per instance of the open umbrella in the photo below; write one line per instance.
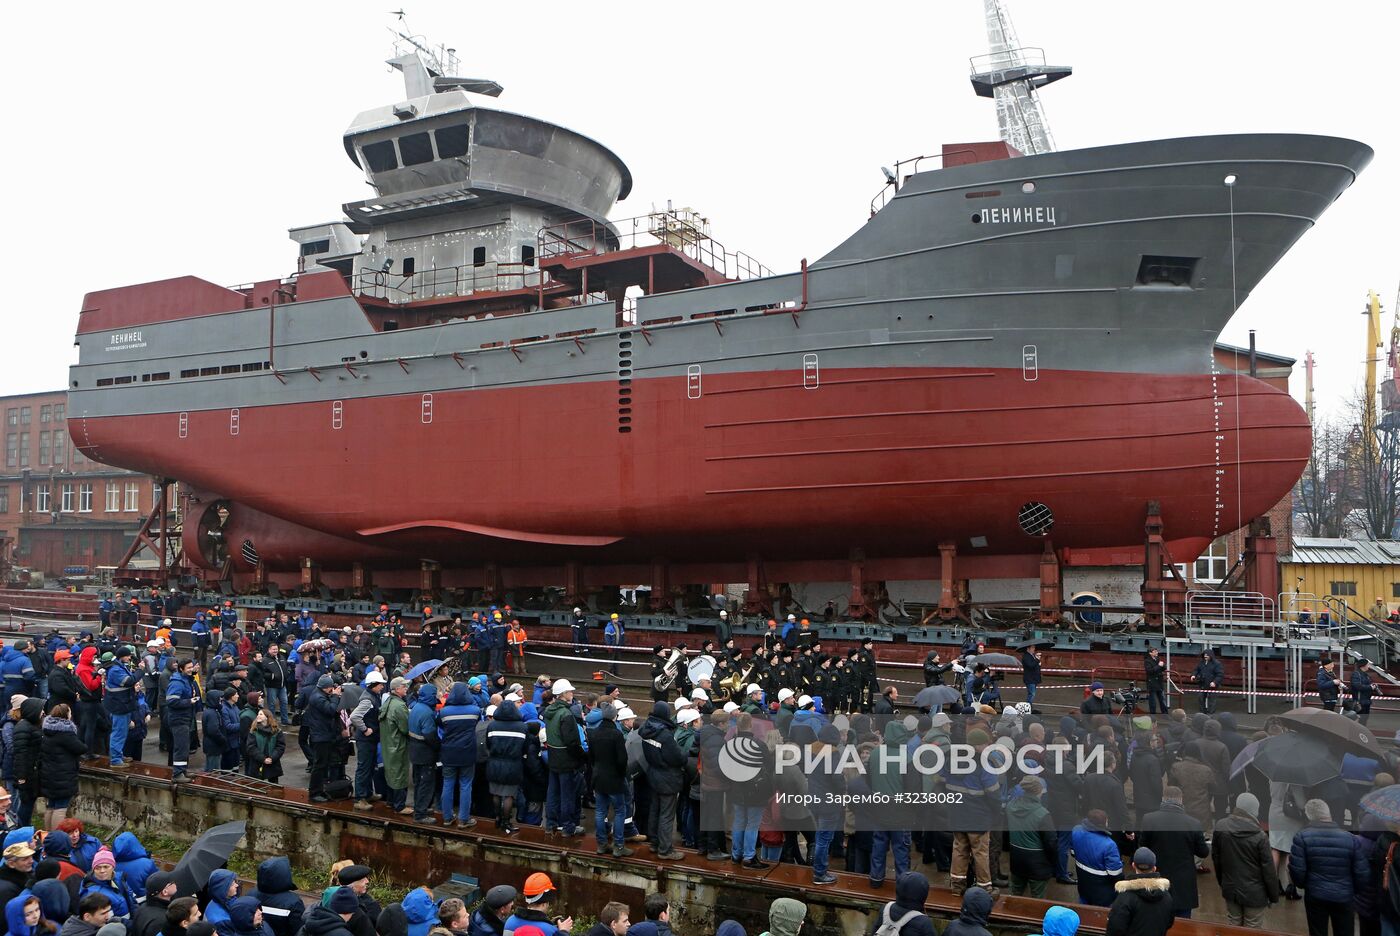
(1292, 758)
(208, 854)
(1243, 758)
(423, 669)
(993, 659)
(1384, 803)
(1336, 730)
(932, 697)
(1034, 642)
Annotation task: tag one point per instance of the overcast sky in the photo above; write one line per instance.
(157, 139)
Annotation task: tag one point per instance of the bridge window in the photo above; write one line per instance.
(527, 255)
(415, 149)
(381, 156)
(452, 141)
(311, 248)
(479, 256)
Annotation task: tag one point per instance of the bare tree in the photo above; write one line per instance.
(1373, 456)
(1322, 495)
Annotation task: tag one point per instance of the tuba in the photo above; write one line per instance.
(667, 677)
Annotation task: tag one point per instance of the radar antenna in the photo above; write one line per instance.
(1011, 74)
(428, 70)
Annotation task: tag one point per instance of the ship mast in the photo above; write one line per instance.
(1011, 74)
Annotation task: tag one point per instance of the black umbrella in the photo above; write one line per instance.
(1291, 758)
(1336, 730)
(208, 854)
(1035, 642)
(994, 659)
(931, 697)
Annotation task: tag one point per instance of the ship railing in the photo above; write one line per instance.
(1223, 616)
(992, 63)
(905, 168)
(682, 230)
(439, 282)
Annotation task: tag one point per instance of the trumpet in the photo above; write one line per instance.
(667, 677)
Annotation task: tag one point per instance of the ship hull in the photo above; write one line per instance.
(887, 461)
(1037, 330)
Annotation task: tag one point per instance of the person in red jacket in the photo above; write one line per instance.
(89, 711)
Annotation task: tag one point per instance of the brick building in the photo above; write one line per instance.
(58, 509)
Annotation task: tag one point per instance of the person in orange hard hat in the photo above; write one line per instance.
(540, 895)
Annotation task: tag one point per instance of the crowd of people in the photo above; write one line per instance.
(1133, 837)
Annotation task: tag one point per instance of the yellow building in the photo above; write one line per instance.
(1358, 572)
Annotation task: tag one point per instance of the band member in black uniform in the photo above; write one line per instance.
(782, 671)
(807, 667)
(659, 656)
(683, 682)
(819, 684)
(870, 687)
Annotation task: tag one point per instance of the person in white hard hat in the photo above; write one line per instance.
(787, 708)
(579, 626)
(807, 714)
(566, 761)
(701, 699)
(753, 704)
(632, 741)
(364, 728)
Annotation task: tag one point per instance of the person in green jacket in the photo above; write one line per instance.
(1034, 845)
(785, 917)
(393, 728)
(887, 776)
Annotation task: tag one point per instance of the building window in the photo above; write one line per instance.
(4, 498)
(133, 497)
(44, 447)
(24, 413)
(77, 456)
(1342, 589)
(66, 503)
(114, 497)
(11, 449)
(155, 493)
(1213, 564)
(45, 414)
(24, 450)
(41, 498)
(85, 497)
(1394, 586)
(12, 416)
(60, 446)
(58, 416)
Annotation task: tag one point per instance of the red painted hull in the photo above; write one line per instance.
(888, 461)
